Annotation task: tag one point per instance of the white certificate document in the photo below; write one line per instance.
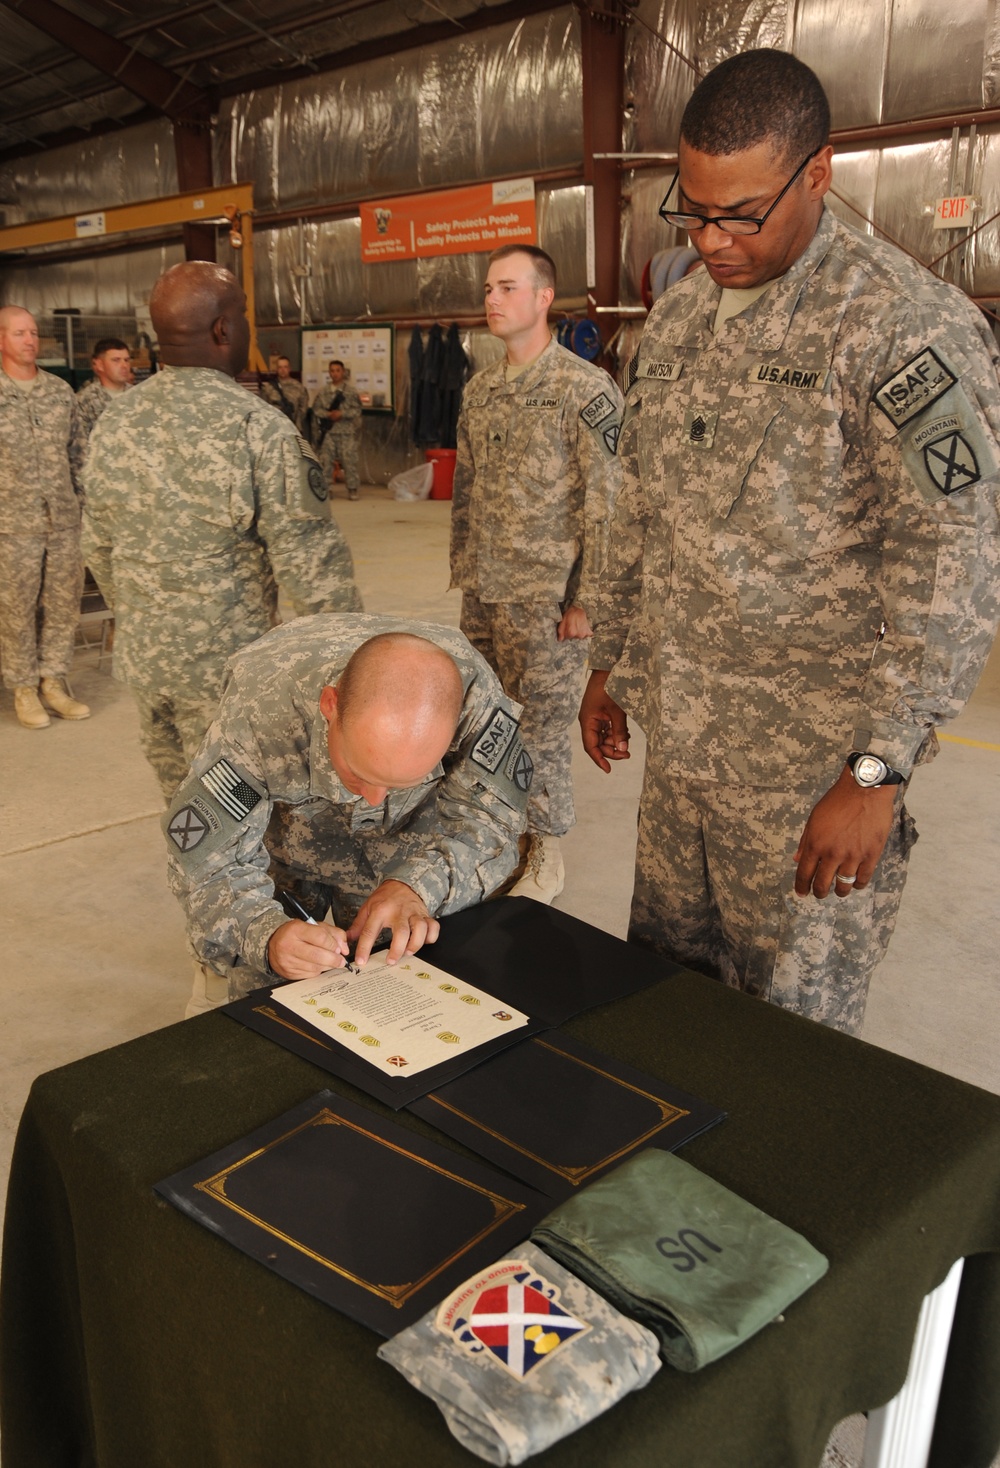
(402, 1018)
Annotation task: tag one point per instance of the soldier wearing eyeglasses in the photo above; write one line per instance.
(802, 580)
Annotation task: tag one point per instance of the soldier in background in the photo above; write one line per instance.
(40, 566)
(200, 498)
(287, 394)
(111, 360)
(337, 415)
(535, 481)
(802, 579)
(360, 762)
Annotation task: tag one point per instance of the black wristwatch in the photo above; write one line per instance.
(871, 772)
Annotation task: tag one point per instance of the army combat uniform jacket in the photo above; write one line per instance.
(290, 396)
(536, 478)
(823, 468)
(38, 438)
(262, 789)
(200, 496)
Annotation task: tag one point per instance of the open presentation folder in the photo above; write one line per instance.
(367, 1216)
(531, 960)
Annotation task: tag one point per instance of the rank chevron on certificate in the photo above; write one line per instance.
(403, 1018)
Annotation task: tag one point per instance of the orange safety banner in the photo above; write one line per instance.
(452, 222)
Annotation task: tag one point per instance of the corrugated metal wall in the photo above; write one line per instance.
(505, 101)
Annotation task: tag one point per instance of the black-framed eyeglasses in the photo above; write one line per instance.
(735, 224)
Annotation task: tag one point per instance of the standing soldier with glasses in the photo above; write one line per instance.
(802, 580)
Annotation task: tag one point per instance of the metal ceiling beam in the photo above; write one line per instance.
(188, 107)
(602, 46)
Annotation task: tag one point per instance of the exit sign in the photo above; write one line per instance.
(955, 213)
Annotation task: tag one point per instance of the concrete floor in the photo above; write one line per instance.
(94, 941)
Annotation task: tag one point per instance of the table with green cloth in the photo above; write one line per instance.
(133, 1338)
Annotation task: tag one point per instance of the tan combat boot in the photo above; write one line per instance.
(544, 873)
(61, 702)
(28, 709)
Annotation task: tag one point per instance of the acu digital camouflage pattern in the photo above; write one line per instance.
(778, 505)
(290, 396)
(774, 513)
(535, 483)
(746, 925)
(544, 1357)
(343, 438)
(91, 401)
(263, 800)
(199, 499)
(544, 675)
(536, 479)
(40, 565)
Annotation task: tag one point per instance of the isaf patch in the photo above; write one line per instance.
(602, 417)
(493, 743)
(232, 790)
(317, 482)
(511, 1317)
(918, 384)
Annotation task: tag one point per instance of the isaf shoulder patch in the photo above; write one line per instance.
(602, 417)
(493, 743)
(917, 384)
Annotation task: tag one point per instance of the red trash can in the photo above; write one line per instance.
(444, 472)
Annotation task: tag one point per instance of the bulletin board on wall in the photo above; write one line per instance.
(368, 354)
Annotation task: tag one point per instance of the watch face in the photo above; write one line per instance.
(870, 770)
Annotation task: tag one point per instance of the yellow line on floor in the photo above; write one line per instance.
(973, 743)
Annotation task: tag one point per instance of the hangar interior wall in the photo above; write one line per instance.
(507, 101)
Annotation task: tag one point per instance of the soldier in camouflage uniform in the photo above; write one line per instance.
(40, 565)
(803, 572)
(199, 498)
(340, 405)
(112, 363)
(368, 764)
(287, 394)
(535, 481)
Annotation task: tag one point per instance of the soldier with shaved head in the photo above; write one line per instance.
(370, 766)
(41, 573)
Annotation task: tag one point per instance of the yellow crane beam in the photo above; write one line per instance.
(232, 204)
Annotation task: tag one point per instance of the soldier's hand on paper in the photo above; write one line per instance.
(300, 950)
(573, 625)
(396, 906)
(603, 724)
(844, 836)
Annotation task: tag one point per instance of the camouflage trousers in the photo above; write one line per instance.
(170, 731)
(341, 446)
(714, 889)
(518, 640)
(41, 582)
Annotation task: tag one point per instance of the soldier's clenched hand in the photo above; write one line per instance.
(396, 906)
(300, 950)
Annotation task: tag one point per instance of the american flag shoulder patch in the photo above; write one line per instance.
(233, 791)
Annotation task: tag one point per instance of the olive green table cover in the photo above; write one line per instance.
(130, 1337)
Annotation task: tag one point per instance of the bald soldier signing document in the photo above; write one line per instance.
(369, 765)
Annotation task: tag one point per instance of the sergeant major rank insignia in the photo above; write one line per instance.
(511, 1316)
